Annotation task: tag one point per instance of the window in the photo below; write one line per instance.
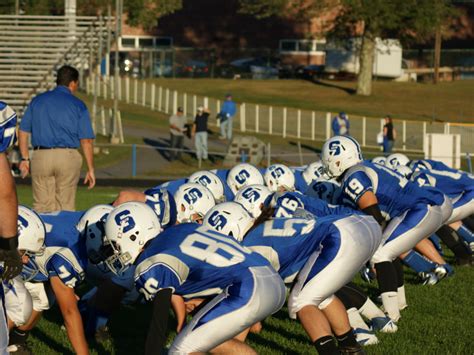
(145, 42)
(128, 42)
(305, 46)
(288, 46)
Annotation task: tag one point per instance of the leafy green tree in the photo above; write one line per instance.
(369, 19)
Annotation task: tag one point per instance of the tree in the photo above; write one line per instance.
(369, 19)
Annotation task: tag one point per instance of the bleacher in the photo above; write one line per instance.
(33, 47)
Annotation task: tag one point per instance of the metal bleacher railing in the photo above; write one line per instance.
(32, 48)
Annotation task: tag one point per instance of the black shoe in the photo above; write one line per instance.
(19, 349)
(102, 335)
(353, 350)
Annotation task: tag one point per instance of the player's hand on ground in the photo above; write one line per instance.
(24, 168)
(12, 264)
(90, 179)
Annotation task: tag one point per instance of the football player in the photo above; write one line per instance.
(189, 259)
(322, 255)
(406, 212)
(279, 178)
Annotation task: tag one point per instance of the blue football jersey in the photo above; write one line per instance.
(8, 121)
(164, 205)
(173, 185)
(451, 183)
(287, 243)
(222, 174)
(394, 193)
(65, 254)
(300, 182)
(193, 261)
(287, 203)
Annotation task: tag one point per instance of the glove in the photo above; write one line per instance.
(10, 257)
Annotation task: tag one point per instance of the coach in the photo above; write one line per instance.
(58, 123)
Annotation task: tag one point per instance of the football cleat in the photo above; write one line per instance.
(383, 324)
(367, 274)
(353, 350)
(19, 349)
(428, 278)
(443, 271)
(365, 337)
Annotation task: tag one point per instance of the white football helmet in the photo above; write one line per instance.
(313, 171)
(127, 229)
(253, 198)
(31, 231)
(229, 218)
(211, 181)
(279, 176)
(243, 175)
(396, 159)
(339, 154)
(92, 226)
(404, 170)
(192, 199)
(379, 160)
(327, 190)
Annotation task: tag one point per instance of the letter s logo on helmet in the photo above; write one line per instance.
(192, 196)
(251, 194)
(217, 220)
(242, 176)
(335, 148)
(277, 172)
(124, 220)
(204, 180)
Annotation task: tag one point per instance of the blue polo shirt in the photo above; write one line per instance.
(57, 119)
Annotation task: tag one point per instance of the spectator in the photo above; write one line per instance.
(227, 116)
(340, 125)
(389, 135)
(199, 132)
(177, 129)
(58, 123)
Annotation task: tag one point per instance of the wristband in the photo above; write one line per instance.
(374, 211)
(25, 159)
(9, 243)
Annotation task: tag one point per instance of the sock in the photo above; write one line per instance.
(437, 243)
(418, 263)
(453, 242)
(465, 234)
(390, 303)
(370, 310)
(402, 300)
(348, 339)
(326, 346)
(356, 320)
(18, 336)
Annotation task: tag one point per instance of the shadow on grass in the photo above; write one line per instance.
(349, 91)
(51, 343)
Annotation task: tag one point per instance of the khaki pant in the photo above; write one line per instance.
(55, 174)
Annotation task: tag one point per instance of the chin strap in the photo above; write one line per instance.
(10, 243)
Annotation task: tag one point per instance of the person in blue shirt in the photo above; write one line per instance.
(188, 260)
(228, 111)
(407, 213)
(59, 124)
(55, 254)
(340, 124)
(321, 254)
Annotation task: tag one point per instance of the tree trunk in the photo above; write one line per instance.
(366, 60)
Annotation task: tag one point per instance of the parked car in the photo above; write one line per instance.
(193, 68)
(310, 72)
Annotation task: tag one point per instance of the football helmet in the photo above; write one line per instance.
(404, 170)
(211, 181)
(394, 160)
(191, 199)
(31, 236)
(339, 154)
(313, 171)
(279, 176)
(127, 229)
(418, 165)
(92, 227)
(327, 190)
(242, 175)
(253, 198)
(229, 218)
(379, 160)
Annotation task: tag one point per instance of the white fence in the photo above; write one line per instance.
(281, 121)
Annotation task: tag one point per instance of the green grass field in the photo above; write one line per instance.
(446, 101)
(439, 319)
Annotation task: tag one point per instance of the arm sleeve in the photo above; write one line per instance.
(7, 127)
(149, 280)
(85, 127)
(25, 124)
(355, 185)
(157, 331)
(60, 267)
